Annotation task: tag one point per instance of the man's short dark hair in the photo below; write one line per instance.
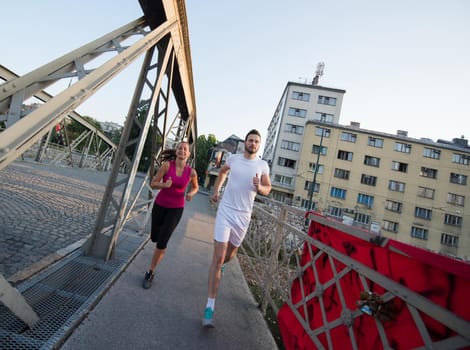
(252, 132)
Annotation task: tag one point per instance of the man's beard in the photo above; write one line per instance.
(251, 151)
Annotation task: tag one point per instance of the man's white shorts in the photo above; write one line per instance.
(231, 225)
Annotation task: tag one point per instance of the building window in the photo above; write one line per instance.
(375, 142)
(308, 186)
(294, 129)
(335, 211)
(423, 213)
(419, 232)
(431, 153)
(313, 167)
(362, 218)
(325, 131)
(301, 96)
(396, 186)
(338, 192)
(323, 117)
(307, 205)
(393, 206)
(458, 179)
(460, 158)
(316, 150)
(456, 199)
(297, 112)
(278, 196)
(402, 147)
(368, 180)
(345, 155)
(390, 226)
(325, 100)
(428, 172)
(342, 173)
(426, 192)
(292, 146)
(449, 240)
(372, 161)
(283, 180)
(365, 199)
(288, 163)
(453, 220)
(348, 137)
(399, 166)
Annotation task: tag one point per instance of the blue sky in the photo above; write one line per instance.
(404, 64)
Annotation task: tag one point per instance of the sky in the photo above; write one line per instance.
(405, 65)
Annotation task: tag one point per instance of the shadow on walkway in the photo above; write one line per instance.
(169, 315)
(87, 303)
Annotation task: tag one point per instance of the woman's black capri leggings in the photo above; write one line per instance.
(164, 222)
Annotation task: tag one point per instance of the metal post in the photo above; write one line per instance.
(312, 187)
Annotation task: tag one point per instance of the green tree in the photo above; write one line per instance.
(204, 146)
(114, 135)
(75, 129)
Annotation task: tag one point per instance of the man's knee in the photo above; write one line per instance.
(220, 250)
(231, 252)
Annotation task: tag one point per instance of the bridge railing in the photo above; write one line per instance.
(326, 298)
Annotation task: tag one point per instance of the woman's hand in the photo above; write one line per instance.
(168, 183)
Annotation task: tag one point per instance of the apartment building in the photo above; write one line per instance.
(412, 190)
(299, 104)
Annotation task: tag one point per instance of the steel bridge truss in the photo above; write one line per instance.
(162, 106)
(91, 149)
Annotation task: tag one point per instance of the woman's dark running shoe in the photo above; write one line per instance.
(148, 279)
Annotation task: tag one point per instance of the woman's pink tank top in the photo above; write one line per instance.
(173, 197)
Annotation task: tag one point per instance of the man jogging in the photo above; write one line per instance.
(247, 176)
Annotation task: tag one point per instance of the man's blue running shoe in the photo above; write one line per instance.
(208, 320)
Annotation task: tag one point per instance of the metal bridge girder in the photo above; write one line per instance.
(28, 130)
(171, 40)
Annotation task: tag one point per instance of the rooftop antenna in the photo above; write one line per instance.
(318, 73)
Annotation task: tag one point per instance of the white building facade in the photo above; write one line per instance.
(299, 104)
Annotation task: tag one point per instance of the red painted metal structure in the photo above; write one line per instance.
(368, 292)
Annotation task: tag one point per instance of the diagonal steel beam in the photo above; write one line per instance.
(28, 130)
(66, 66)
(43, 96)
(12, 299)
(102, 241)
(170, 36)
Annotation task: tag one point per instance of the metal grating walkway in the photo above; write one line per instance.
(63, 294)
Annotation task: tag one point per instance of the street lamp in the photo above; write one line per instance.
(312, 188)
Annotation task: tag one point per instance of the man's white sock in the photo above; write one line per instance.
(211, 303)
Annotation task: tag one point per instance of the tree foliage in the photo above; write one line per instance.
(74, 129)
(204, 146)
